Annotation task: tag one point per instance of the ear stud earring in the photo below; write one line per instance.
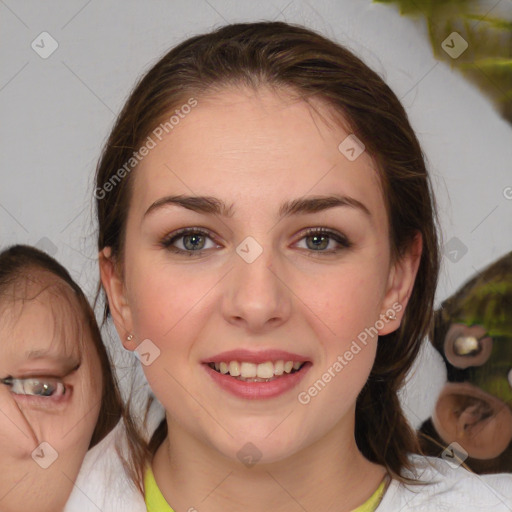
(391, 317)
(129, 337)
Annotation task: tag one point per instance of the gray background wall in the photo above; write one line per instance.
(56, 113)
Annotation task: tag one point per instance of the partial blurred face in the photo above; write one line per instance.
(250, 307)
(476, 411)
(49, 400)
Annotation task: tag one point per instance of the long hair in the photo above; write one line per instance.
(292, 57)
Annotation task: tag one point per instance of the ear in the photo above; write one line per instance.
(116, 295)
(400, 285)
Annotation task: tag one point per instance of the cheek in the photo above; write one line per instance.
(343, 310)
(72, 429)
(164, 296)
(346, 303)
(87, 407)
(16, 438)
(169, 306)
(69, 429)
(170, 303)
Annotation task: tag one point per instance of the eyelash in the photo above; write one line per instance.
(168, 241)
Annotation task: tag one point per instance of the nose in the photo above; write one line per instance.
(256, 296)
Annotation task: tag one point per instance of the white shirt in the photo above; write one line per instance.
(451, 490)
(102, 486)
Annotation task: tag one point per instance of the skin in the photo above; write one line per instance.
(26, 421)
(256, 151)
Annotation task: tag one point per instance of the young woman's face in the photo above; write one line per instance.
(47, 418)
(255, 281)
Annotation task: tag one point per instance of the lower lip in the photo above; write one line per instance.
(258, 390)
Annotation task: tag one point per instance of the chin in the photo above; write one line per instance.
(251, 450)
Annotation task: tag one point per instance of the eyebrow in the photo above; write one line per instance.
(302, 205)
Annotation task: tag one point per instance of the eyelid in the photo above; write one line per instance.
(335, 234)
(47, 373)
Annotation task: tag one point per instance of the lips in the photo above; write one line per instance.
(263, 374)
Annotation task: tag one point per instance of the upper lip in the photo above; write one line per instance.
(261, 356)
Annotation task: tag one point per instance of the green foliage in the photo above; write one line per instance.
(423, 6)
(487, 61)
(486, 299)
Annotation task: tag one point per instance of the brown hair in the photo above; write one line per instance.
(21, 263)
(294, 58)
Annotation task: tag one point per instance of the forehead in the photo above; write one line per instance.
(247, 145)
(40, 316)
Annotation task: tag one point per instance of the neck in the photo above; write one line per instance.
(327, 475)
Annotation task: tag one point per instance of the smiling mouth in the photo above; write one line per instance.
(263, 372)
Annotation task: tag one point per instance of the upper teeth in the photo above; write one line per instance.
(265, 370)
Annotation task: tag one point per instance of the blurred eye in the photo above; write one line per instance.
(466, 346)
(42, 386)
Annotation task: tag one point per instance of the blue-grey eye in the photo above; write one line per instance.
(43, 387)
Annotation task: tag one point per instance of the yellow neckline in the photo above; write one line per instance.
(372, 502)
(155, 501)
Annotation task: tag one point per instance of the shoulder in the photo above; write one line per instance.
(102, 483)
(447, 488)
